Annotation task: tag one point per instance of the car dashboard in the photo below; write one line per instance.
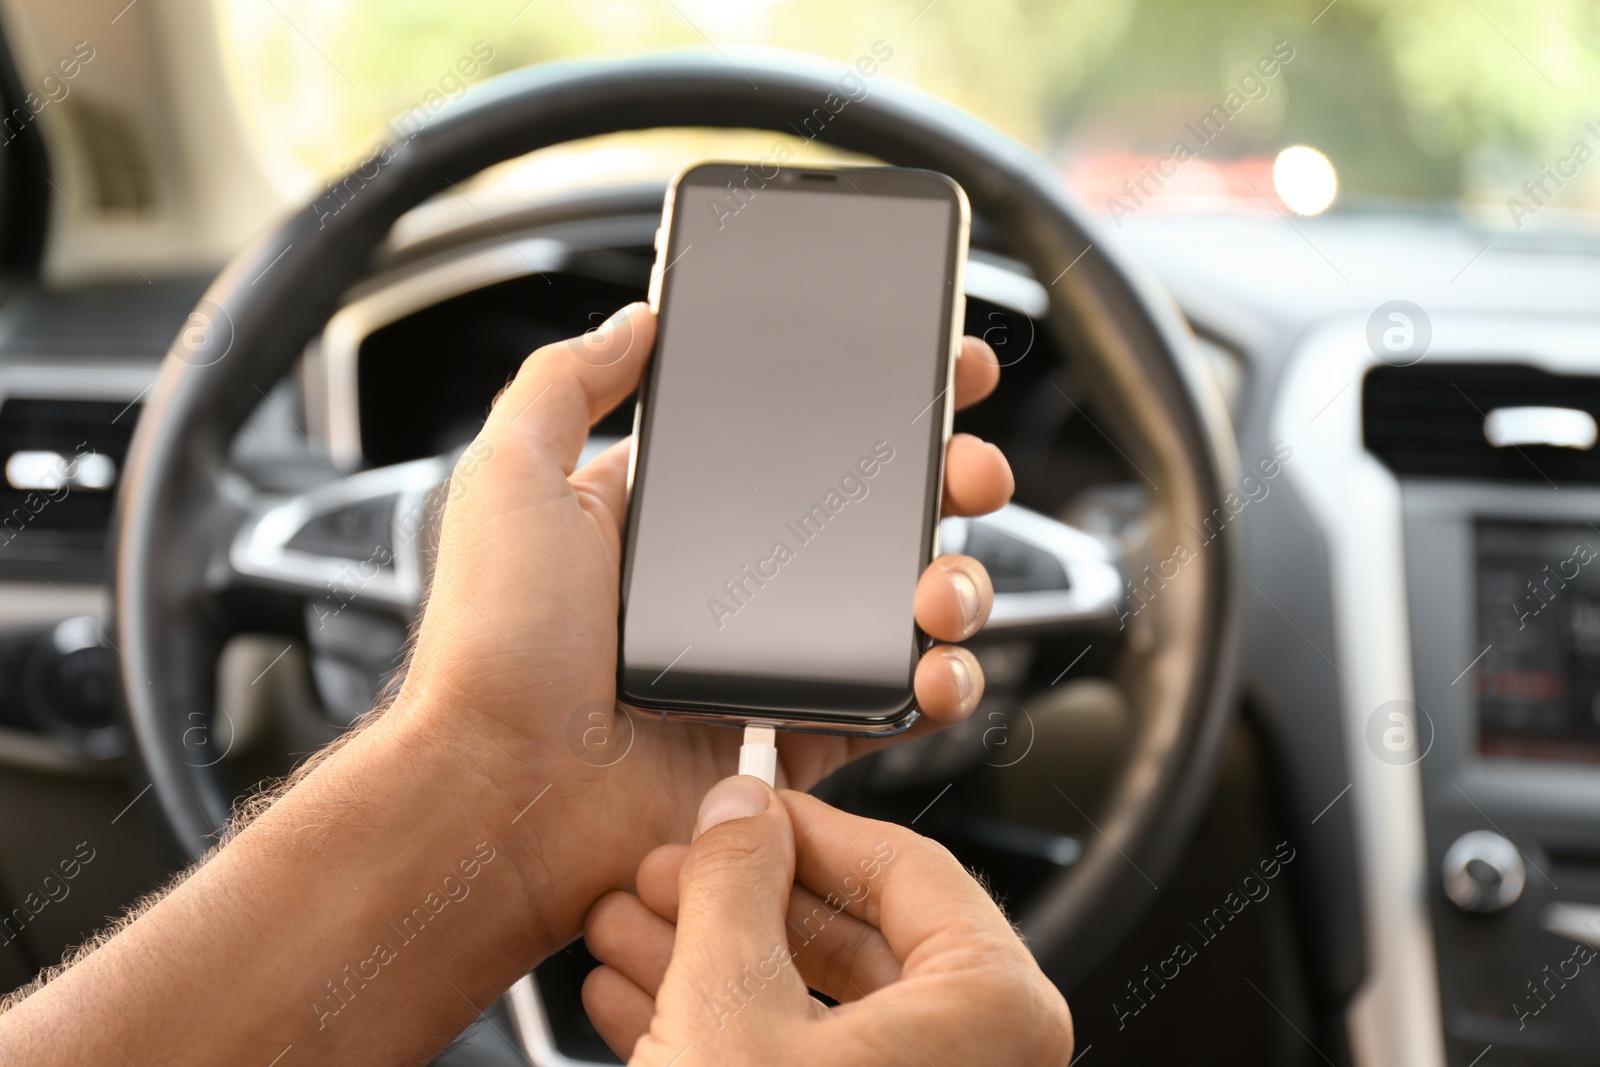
(1423, 655)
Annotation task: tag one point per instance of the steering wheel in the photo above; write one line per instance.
(202, 553)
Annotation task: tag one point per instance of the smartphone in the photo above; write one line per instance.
(789, 444)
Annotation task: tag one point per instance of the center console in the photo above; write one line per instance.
(1457, 491)
(1504, 589)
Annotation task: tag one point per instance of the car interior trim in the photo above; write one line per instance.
(339, 349)
(1395, 1019)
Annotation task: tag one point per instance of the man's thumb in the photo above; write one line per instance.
(733, 896)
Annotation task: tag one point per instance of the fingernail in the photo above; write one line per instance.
(603, 330)
(962, 675)
(966, 595)
(738, 797)
(621, 313)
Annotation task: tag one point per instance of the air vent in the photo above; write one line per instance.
(59, 465)
(118, 163)
(1429, 421)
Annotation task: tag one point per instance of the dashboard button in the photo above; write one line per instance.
(1483, 872)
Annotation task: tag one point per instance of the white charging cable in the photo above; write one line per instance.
(758, 756)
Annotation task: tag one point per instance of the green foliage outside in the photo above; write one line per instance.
(1413, 100)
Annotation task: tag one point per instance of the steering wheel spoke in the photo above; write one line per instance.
(1047, 575)
(345, 564)
(362, 540)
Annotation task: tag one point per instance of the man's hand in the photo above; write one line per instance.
(516, 655)
(711, 962)
(413, 873)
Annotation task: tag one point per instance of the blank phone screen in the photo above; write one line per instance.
(788, 464)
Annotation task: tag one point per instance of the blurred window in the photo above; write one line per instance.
(1490, 107)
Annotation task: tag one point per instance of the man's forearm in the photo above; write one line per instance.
(367, 916)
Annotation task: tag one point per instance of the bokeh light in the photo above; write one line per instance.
(1304, 180)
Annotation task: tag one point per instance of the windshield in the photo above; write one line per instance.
(1491, 107)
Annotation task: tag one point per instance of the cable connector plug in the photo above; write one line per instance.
(758, 756)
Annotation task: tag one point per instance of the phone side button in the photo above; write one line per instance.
(655, 285)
